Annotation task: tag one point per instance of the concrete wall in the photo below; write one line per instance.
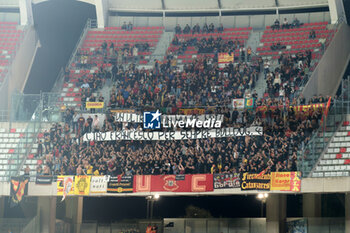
(22, 63)
(328, 74)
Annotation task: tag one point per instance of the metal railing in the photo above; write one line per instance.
(15, 225)
(310, 153)
(18, 45)
(57, 87)
(33, 226)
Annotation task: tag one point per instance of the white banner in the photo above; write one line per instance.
(238, 103)
(98, 184)
(139, 135)
(137, 118)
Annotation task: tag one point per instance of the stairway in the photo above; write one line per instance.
(260, 85)
(335, 161)
(15, 141)
(254, 39)
(162, 46)
(318, 148)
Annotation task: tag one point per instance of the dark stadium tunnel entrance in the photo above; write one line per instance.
(59, 24)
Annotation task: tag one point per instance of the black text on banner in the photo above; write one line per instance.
(224, 181)
(120, 184)
(255, 181)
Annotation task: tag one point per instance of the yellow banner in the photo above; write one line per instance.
(94, 104)
(225, 58)
(82, 185)
(123, 110)
(286, 181)
(65, 185)
(192, 111)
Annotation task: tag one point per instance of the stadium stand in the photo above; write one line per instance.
(15, 143)
(100, 49)
(194, 45)
(10, 36)
(92, 66)
(125, 41)
(336, 160)
(63, 153)
(293, 40)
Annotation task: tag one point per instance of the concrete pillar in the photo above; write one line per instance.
(347, 212)
(312, 205)
(26, 12)
(74, 211)
(2, 207)
(336, 10)
(276, 213)
(47, 212)
(101, 13)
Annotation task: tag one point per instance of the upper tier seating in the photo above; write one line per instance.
(229, 34)
(9, 39)
(294, 39)
(71, 92)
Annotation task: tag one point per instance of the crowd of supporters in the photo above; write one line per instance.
(197, 29)
(284, 80)
(286, 25)
(201, 83)
(285, 132)
(109, 52)
(167, 86)
(210, 45)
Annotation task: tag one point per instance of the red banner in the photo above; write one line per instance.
(173, 183)
(305, 109)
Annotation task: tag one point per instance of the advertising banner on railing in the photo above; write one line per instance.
(120, 184)
(224, 58)
(225, 181)
(286, 181)
(173, 183)
(82, 185)
(18, 189)
(65, 186)
(255, 181)
(94, 104)
(165, 119)
(139, 135)
(98, 184)
(43, 179)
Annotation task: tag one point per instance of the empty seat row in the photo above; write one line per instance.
(124, 32)
(136, 28)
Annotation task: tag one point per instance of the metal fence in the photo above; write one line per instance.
(14, 225)
(206, 225)
(310, 153)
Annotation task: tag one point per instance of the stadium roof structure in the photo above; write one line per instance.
(183, 8)
(204, 5)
